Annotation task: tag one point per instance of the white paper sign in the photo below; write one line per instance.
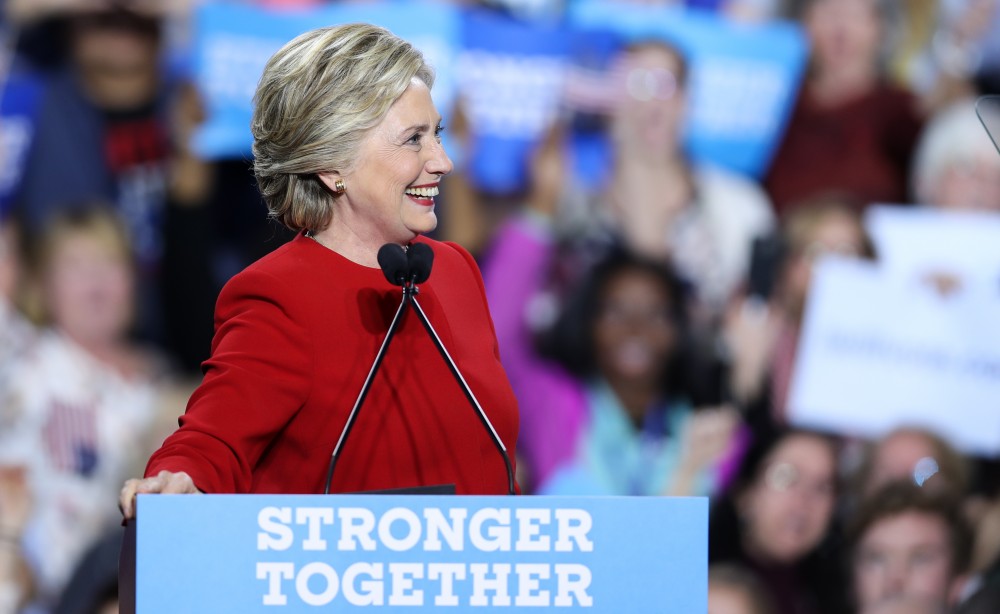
(877, 353)
(914, 241)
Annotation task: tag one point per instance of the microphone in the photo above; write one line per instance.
(394, 263)
(420, 258)
(406, 269)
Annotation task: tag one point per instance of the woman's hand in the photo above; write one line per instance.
(708, 436)
(15, 500)
(165, 482)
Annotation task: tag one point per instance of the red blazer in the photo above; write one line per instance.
(296, 334)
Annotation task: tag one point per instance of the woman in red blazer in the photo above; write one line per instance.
(347, 152)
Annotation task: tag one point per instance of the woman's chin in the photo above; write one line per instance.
(422, 224)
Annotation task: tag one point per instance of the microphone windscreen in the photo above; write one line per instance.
(392, 260)
(421, 259)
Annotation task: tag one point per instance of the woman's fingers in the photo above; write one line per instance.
(165, 482)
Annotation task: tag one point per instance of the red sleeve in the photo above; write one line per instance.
(259, 376)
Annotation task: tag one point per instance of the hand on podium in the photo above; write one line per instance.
(165, 482)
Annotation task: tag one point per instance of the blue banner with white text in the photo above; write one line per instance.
(294, 553)
(510, 76)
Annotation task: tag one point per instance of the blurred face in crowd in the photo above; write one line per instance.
(788, 507)
(728, 599)
(907, 555)
(651, 108)
(89, 287)
(634, 332)
(904, 605)
(834, 233)
(904, 455)
(970, 184)
(118, 62)
(844, 34)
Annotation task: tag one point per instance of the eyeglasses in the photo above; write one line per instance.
(785, 477)
(647, 84)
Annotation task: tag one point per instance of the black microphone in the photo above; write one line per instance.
(420, 258)
(394, 263)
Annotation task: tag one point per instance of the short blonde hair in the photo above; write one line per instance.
(317, 98)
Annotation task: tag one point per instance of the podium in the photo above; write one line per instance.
(415, 553)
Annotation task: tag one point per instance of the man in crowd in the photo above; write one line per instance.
(909, 544)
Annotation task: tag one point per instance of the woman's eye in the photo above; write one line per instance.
(437, 132)
(415, 139)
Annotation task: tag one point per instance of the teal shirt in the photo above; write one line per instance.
(613, 457)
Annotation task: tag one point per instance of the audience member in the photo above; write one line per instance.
(117, 129)
(956, 165)
(761, 332)
(776, 520)
(909, 542)
(608, 415)
(82, 401)
(734, 590)
(851, 132)
(916, 455)
(941, 46)
(16, 505)
(15, 332)
(700, 219)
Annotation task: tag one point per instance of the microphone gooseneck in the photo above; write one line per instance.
(407, 268)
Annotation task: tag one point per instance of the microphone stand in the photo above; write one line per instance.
(468, 393)
(409, 290)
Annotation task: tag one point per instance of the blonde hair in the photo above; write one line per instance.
(317, 98)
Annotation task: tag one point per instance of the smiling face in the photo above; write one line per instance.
(389, 192)
(634, 333)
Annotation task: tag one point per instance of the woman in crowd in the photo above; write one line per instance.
(348, 153)
(605, 409)
(645, 192)
(82, 400)
(762, 331)
(851, 132)
(735, 590)
(956, 165)
(776, 521)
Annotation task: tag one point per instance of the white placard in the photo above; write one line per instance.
(915, 241)
(877, 353)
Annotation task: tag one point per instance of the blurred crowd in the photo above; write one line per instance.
(648, 323)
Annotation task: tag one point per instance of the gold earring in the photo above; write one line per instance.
(339, 186)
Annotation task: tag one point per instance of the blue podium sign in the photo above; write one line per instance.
(297, 553)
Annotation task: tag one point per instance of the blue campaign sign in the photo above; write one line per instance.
(22, 95)
(744, 77)
(294, 553)
(234, 42)
(510, 83)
